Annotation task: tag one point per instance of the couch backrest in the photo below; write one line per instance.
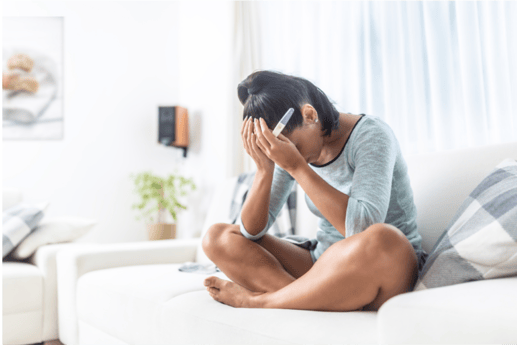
(440, 182)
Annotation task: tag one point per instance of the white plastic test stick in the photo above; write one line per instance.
(283, 122)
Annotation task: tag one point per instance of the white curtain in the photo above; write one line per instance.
(443, 75)
(248, 58)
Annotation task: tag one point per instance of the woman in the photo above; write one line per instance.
(367, 248)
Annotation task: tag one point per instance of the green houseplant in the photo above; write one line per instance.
(158, 195)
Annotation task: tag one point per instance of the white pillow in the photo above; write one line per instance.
(53, 230)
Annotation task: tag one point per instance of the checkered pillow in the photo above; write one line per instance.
(18, 222)
(481, 240)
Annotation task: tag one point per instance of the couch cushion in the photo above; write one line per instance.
(22, 303)
(158, 304)
(22, 287)
(125, 302)
(53, 230)
(480, 312)
(198, 319)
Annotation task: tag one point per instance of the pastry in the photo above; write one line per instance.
(9, 79)
(17, 82)
(22, 61)
(29, 84)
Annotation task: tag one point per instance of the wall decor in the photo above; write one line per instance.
(32, 78)
(173, 128)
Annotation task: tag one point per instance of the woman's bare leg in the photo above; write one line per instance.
(266, 265)
(360, 272)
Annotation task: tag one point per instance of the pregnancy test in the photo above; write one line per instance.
(283, 122)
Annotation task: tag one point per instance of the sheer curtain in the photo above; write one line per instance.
(248, 58)
(443, 75)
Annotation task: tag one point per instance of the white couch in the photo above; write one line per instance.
(132, 293)
(29, 291)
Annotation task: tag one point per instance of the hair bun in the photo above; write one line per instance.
(253, 84)
(253, 90)
(242, 93)
(259, 82)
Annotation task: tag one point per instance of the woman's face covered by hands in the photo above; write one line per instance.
(301, 146)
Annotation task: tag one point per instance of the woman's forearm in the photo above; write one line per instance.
(328, 200)
(255, 211)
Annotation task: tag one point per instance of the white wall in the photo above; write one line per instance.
(121, 61)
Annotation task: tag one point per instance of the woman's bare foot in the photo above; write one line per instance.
(232, 294)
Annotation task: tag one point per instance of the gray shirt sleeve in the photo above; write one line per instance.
(280, 188)
(372, 157)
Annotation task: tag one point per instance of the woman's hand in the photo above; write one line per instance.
(279, 149)
(249, 139)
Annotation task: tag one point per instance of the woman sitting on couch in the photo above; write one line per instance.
(367, 248)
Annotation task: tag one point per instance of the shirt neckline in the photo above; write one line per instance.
(342, 149)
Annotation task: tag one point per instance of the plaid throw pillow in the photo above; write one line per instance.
(481, 240)
(285, 223)
(18, 222)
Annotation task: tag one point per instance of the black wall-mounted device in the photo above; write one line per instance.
(173, 127)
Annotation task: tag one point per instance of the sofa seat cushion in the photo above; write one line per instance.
(22, 288)
(126, 302)
(478, 312)
(157, 304)
(198, 319)
(22, 303)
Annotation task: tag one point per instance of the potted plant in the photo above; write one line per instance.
(159, 195)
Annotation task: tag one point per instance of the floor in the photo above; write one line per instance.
(52, 342)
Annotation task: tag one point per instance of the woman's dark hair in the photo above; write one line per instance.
(269, 95)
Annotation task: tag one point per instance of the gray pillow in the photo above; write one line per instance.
(481, 240)
(18, 222)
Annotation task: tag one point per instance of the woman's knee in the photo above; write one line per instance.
(390, 245)
(216, 238)
(398, 263)
(385, 237)
(379, 242)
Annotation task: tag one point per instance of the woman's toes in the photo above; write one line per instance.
(214, 293)
(212, 290)
(213, 282)
(210, 281)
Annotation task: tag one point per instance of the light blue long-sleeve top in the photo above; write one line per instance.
(371, 170)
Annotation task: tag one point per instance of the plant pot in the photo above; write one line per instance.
(161, 231)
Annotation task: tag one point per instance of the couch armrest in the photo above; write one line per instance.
(72, 263)
(45, 259)
(475, 312)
